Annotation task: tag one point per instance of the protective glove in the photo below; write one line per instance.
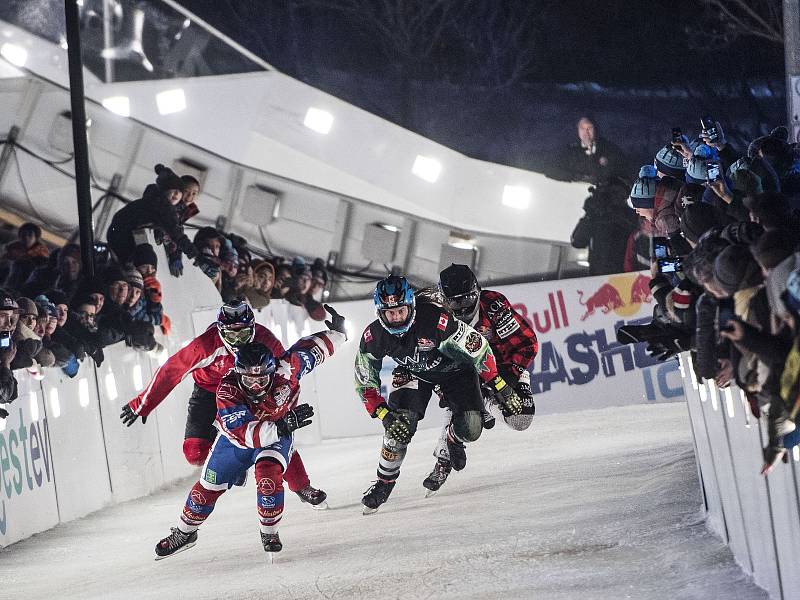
(337, 321)
(507, 397)
(396, 425)
(176, 266)
(298, 417)
(772, 454)
(98, 356)
(129, 417)
(187, 247)
(3, 413)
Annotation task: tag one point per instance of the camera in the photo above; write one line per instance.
(677, 134)
(672, 264)
(709, 126)
(659, 247)
(5, 340)
(712, 170)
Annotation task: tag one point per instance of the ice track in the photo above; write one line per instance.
(596, 505)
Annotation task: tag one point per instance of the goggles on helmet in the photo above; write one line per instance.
(237, 336)
(462, 301)
(256, 385)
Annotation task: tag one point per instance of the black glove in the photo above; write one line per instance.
(187, 247)
(176, 266)
(3, 413)
(298, 417)
(507, 397)
(129, 417)
(524, 389)
(337, 321)
(98, 356)
(396, 425)
(772, 454)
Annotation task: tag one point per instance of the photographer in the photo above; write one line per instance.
(9, 314)
(605, 227)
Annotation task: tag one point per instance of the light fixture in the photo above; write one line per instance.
(111, 386)
(137, 376)
(34, 404)
(171, 101)
(55, 405)
(582, 263)
(119, 105)
(319, 120)
(392, 228)
(83, 392)
(462, 241)
(516, 196)
(427, 168)
(16, 55)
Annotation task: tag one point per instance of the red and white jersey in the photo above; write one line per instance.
(252, 425)
(206, 358)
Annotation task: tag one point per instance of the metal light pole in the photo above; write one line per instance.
(791, 52)
(80, 145)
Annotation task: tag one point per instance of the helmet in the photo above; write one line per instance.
(460, 290)
(254, 367)
(395, 292)
(236, 324)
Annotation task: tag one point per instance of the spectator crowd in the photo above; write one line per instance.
(719, 229)
(53, 315)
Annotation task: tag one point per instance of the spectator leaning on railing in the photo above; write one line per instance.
(9, 314)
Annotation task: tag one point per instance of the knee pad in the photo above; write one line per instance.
(196, 450)
(468, 425)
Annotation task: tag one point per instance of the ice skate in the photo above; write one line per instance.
(377, 494)
(272, 544)
(316, 498)
(458, 454)
(175, 542)
(437, 477)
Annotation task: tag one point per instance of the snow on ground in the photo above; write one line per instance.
(602, 504)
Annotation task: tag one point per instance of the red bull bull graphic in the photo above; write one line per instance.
(609, 296)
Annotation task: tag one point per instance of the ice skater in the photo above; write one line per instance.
(257, 413)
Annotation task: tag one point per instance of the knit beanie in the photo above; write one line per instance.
(134, 278)
(299, 266)
(734, 268)
(113, 273)
(27, 306)
(44, 303)
(57, 297)
(698, 218)
(145, 255)
(643, 192)
(7, 301)
(697, 170)
(670, 162)
(166, 179)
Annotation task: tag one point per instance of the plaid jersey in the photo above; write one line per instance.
(510, 336)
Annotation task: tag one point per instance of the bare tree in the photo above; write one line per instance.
(724, 21)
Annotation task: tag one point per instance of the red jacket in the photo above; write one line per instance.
(205, 357)
(252, 425)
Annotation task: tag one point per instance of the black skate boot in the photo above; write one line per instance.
(488, 419)
(458, 454)
(316, 498)
(175, 542)
(377, 494)
(437, 477)
(271, 542)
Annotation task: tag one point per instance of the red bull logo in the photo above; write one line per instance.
(621, 293)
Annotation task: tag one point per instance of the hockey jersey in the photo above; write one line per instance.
(511, 337)
(436, 347)
(252, 425)
(205, 357)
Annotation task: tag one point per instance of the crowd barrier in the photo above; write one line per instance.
(757, 516)
(64, 452)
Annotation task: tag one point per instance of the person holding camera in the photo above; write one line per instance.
(591, 158)
(9, 315)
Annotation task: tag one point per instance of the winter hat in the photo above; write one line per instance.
(7, 301)
(27, 306)
(698, 218)
(735, 268)
(791, 297)
(643, 192)
(44, 303)
(166, 179)
(113, 273)
(57, 297)
(299, 266)
(134, 278)
(318, 270)
(670, 162)
(144, 255)
(228, 252)
(697, 170)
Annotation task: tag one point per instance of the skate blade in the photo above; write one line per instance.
(369, 511)
(431, 493)
(271, 558)
(186, 547)
(321, 506)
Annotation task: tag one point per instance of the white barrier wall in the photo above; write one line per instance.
(758, 517)
(64, 452)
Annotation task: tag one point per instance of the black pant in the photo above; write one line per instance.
(202, 410)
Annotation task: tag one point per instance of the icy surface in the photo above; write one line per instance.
(602, 504)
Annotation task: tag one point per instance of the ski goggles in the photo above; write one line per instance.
(256, 384)
(237, 337)
(462, 302)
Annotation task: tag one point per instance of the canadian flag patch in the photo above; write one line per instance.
(368, 335)
(443, 319)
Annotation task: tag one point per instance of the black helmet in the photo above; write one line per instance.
(254, 366)
(236, 324)
(461, 291)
